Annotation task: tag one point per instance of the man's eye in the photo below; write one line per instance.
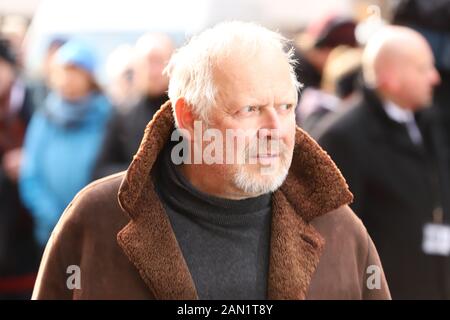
(286, 106)
(249, 109)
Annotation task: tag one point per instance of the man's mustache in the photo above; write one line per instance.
(265, 147)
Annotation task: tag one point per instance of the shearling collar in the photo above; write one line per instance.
(314, 187)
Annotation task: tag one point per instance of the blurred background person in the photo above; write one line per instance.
(340, 71)
(313, 47)
(151, 55)
(18, 260)
(41, 86)
(329, 62)
(432, 19)
(14, 28)
(340, 85)
(119, 71)
(315, 43)
(390, 165)
(63, 138)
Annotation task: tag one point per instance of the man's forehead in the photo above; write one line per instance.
(251, 56)
(253, 73)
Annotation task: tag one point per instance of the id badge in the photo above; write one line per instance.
(436, 239)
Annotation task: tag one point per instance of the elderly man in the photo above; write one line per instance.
(385, 156)
(262, 222)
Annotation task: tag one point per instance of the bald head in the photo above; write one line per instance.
(152, 52)
(388, 48)
(398, 62)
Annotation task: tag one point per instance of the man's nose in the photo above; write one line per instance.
(435, 78)
(271, 125)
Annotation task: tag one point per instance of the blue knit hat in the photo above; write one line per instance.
(78, 54)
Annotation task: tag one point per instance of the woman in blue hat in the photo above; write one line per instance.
(63, 138)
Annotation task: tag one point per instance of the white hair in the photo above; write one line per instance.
(191, 67)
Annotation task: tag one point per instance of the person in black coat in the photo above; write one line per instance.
(389, 163)
(432, 19)
(126, 128)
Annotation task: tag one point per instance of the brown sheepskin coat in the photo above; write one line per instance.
(118, 234)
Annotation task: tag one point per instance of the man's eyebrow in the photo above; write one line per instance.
(287, 98)
(238, 106)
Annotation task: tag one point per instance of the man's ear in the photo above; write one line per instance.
(391, 76)
(385, 82)
(184, 115)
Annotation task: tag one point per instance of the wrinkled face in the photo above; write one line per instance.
(71, 82)
(256, 94)
(417, 77)
(6, 76)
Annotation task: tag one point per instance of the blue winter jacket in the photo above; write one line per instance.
(59, 154)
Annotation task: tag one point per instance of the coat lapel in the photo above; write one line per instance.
(295, 252)
(150, 244)
(148, 240)
(314, 186)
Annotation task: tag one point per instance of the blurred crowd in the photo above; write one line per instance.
(380, 107)
(60, 133)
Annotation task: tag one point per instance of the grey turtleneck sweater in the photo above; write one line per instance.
(225, 242)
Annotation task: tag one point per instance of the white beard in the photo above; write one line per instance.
(268, 179)
(257, 184)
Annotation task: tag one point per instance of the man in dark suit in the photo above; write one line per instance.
(389, 165)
